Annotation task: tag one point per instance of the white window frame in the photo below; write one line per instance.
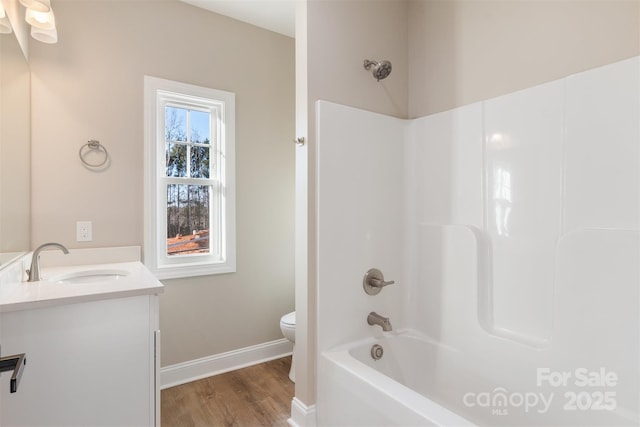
(222, 257)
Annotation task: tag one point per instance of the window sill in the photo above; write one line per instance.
(178, 272)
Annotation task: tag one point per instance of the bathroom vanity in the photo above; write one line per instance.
(90, 332)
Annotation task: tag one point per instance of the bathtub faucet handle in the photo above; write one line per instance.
(380, 283)
(373, 281)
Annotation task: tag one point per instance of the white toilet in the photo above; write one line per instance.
(288, 328)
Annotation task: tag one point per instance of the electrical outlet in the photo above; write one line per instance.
(84, 232)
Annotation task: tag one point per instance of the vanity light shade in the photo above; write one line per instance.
(44, 36)
(42, 20)
(3, 14)
(37, 5)
(5, 26)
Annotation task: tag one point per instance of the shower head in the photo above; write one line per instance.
(381, 70)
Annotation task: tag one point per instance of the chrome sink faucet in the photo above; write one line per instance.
(375, 319)
(34, 270)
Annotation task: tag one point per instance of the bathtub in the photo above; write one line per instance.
(356, 390)
(420, 382)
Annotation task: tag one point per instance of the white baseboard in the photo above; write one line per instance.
(193, 370)
(301, 414)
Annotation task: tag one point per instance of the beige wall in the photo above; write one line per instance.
(90, 86)
(341, 35)
(463, 51)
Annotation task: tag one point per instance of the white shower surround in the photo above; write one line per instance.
(511, 227)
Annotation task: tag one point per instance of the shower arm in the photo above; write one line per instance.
(368, 63)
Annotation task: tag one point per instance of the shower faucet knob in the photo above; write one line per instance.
(373, 281)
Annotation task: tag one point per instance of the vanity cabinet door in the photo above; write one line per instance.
(88, 364)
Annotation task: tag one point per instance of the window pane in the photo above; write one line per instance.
(199, 162)
(176, 160)
(175, 124)
(187, 219)
(200, 128)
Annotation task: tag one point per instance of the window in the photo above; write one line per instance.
(189, 179)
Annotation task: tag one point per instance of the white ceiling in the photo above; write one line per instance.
(274, 15)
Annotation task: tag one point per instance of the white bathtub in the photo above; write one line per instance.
(421, 382)
(390, 391)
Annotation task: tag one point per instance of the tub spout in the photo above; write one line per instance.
(375, 319)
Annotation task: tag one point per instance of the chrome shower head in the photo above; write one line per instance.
(381, 70)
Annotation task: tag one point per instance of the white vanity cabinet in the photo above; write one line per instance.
(89, 363)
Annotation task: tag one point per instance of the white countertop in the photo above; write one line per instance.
(22, 295)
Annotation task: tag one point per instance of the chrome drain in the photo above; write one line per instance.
(377, 351)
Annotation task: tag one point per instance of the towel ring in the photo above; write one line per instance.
(93, 144)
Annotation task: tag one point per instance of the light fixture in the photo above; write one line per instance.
(44, 36)
(42, 20)
(40, 16)
(37, 5)
(5, 25)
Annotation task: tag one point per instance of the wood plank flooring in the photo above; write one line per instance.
(258, 395)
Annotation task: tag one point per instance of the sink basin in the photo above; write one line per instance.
(90, 276)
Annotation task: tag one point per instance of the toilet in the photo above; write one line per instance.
(288, 328)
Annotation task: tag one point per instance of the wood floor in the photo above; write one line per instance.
(259, 395)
